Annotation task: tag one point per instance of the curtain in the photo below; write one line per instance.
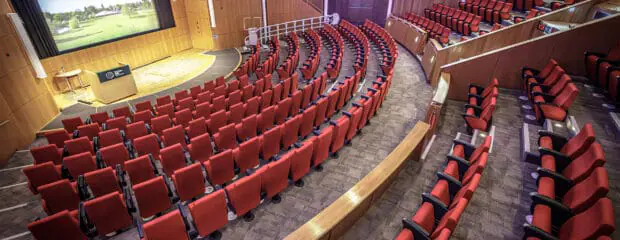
(34, 22)
(164, 13)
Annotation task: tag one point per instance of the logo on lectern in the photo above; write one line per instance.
(115, 73)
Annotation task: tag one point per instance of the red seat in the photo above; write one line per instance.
(168, 226)
(424, 219)
(356, 116)
(209, 213)
(598, 64)
(108, 213)
(183, 94)
(247, 128)
(196, 128)
(136, 130)
(122, 112)
(144, 106)
(332, 99)
(246, 155)
(203, 110)
(226, 137)
(114, 155)
(296, 101)
(233, 98)
(306, 95)
(172, 158)
(236, 113)
(59, 196)
(246, 93)
(556, 108)
(549, 80)
(366, 106)
(108, 138)
(252, 106)
(220, 167)
(265, 99)
(186, 104)
(307, 121)
(321, 146)
(270, 142)
(48, 153)
(102, 181)
(244, 195)
(41, 174)
(204, 97)
(59, 226)
(159, 124)
(140, 169)
(152, 197)
(57, 137)
(163, 100)
(582, 166)
(194, 91)
(200, 148)
(282, 109)
(290, 131)
(174, 135)
(341, 126)
(182, 117)
(276, 94)
(216, 121)
(91, 131)
(143, 116)
(148, 144)
(99, 118)
(118, 123)
(71, 124)
(274, 178)
(79, 164)
(321, 111)
(300, 160)
(266, 119)
(189, 182)
(79, 145)
(479, 118)
(165, 110)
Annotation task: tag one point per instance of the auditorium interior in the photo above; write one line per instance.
(309, 119)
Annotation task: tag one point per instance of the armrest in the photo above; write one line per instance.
(479, 89)
(76, 134)
(152, 160)
(561, 160)
(346, 114)
(82, 188)
(454, 185)
(468, 147)
(418, 232)
(128, 200)
(478, 97)
(356, 105)
(477, 109)
(545, 88)
(559, 211)
(533, 231)
(99, 160)
(462, 163)
(548, 98)
(96, 143)
(561, 183)
(120, 175)
(557, 140)
(139, 228)
(439, 207)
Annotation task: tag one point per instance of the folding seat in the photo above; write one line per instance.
(143, 116)
(226, 137)
(482, 4)
(178, 96)
(574, 169)
(266, 119)
(307, 95)
(108, 213)
(148, 144)
(57, 137)
(457, 22)
(444, 18)
(244, 195)
(108, 138)
(204, 97)
(296, 101)
(594, 223)
(483, 9)
(218, 103)
(173, 136)
(480, 117)
(48, 153)
(290, 130)
(355, 116)
(286, 87)
(61, 225)
(186, 103)
(90, 130)
(265, 99)
(79, 164)
(270, 142)
(200, 148)
(243, 81)
(343, 90)
(551, 79)
(483, 92)
(233, 98)
(165, 110)
(246, 155)
(152, 196)
(203, 110)
(59, 196)
(531, 14)
(209, 85)
(196, 127)
(236, 113)
(555, 107)
(194, 91)
(182, 117)
(252, 106)
(492, 12)
(420, 226)
(144, 106)
(294, 81)
(172, 158)
(472, 27)
(597, 63)
(246, 93)
(41, 174)
(216, 121)
(140, 169)
(135, 130)
(259, 87)
(79, 145)
(461, 23)
(220, 167)
(71, 124)
(219, 91)
(99, 118)
(119, 123)
(189, 182)
(210, 213)
(274, 178)
(232, 86)
(341, 126)
(113, 155)
(163, 100)
(307, 121)
(317, 90)
(247, 128)
(282, 109)
(102, 181)
(321, 146)
(276, 94)
(169, 226)
(220, 81)
(553, 90)
(321, 110)
(527, 72)
(122, 112)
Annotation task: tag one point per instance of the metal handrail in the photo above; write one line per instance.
(267, 32)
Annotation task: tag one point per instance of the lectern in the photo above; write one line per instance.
(113, 84)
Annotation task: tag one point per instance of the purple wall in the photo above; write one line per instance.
(356, 11)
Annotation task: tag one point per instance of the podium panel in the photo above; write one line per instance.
(112, 85)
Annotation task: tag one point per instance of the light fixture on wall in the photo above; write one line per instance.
(212, 13)
(30, 51)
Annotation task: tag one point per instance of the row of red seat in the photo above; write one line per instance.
(385, 42)
(360, 41)
(551, 91)
(273, 58)
(311, 65)
(570, 202)
(292, 60)
(250, 64)
(480, 106)
(604, 70)
(491, 11)
(465, 23)
(435, 30)
(441, 209)
(335, 43)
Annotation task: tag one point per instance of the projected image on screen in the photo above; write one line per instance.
(78, 23)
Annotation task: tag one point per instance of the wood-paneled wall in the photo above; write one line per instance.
(25, 103)
(199, 24)
(401, 7)
(410, 36)
(229, 15)
(279, 11)
(137, 51)
(566, 47)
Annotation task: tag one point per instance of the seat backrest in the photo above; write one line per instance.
(252, 106)
(265, 99)
(169, 226)
(194, 91)
(578, 144)
(209, 212)
(196, 127)
(186, 103)
(163, 100)
(183, 117)
(246, 155)
(41, 174)
(91, 130)
(118, 123)
(114, 155)
(321, 110)
(203, 110)
(148, 144)
(266, 118)
(140, 169)
(585, 193)
(307, 94)
(61, 225)
(110, 137)
(172, 158)
(174, 135)
(143, 116)
(321, 145)
(236, 113)
(244, 194)
(282, 110)
(99, 118)
(181, 95)
(108, 213)
(226, 137)
(340, 130)
(233, 98)
(270, 142)
(296, 99)
(144, 106)
(122, 112)
(559, 85)
(57, 137)
(204, 97)
(58, 196)
(152, 196)
(247, 128)
(47, 153)
(165, 110)
(136, 130)
(582, 166)
(217, 120)
(274, 176)
(200, 148)
(290, 130)
(450, 218)
(567, 96)
(189, 182)
(79, 145)
(220, 167)
(102, 181)
(79, 164)
(596, 221)
(160, 123)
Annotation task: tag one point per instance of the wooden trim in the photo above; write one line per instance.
(335, 220)
(410, 36)
(433, 113)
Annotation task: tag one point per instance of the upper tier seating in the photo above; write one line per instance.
(600, 68)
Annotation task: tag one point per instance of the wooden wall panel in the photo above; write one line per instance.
(566, 47)
(401, 7)
(229, 15)
(199, 23)
(280, 11)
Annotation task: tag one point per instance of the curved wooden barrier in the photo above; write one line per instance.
(410, 36)
(335, 220)
(433, 111)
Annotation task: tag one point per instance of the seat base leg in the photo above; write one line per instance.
(217, 235)
(248, 217)
(299, 183)
(276, 199)
(319, 168)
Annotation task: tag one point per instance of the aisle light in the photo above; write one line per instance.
(212, 13)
